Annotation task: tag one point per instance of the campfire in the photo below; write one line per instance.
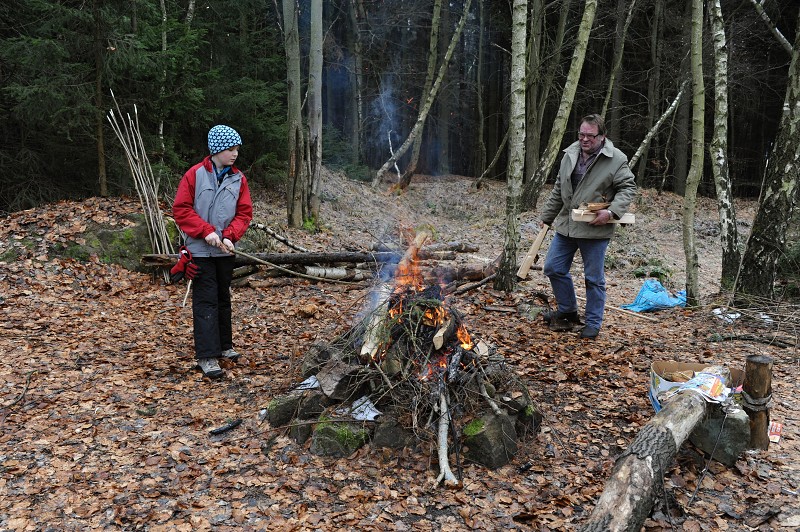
(412, 359)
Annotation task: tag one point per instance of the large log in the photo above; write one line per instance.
(306, 259)
(629, 494)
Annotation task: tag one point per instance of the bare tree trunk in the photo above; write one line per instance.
(297, 174)
(780, 195)
(356, 11)
(619, 48)
(429, 98)
(696, 169)
(653, 84)
(315, 111)
(433, 48)
(480, 164)
(533, 188)
(718, 151)
(98, 96)
(506, 276)
(539, 85)
(190, 12)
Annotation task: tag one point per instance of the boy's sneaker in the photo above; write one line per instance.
(230, 354)
(210, 367)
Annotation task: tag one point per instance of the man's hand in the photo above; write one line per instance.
(602, 217)
(185, 267)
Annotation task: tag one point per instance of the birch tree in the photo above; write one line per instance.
(779, 198)
(718, 151)
(533, 187)
(315, 112)
(506, 275)
(696, 168)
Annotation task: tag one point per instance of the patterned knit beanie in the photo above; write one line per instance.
(221, 138)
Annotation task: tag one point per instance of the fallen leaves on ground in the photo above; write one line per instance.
(106, 423)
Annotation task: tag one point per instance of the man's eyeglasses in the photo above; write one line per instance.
(587, 136)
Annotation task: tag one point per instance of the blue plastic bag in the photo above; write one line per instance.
(653, 296)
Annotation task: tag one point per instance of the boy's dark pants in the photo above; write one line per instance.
(211, 306)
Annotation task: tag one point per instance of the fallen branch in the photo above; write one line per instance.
(24, 390)
(769, 340)
(280, 238)
(473, 286)
(445, 473)
(626, 311)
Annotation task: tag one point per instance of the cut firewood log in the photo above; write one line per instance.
(444, 333)
(341, 274)
(469, 272)
(373, 331)
(629, 494)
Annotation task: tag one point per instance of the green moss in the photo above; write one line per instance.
(474, 427)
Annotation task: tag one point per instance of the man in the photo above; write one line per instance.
(213, 207)
(592, 171)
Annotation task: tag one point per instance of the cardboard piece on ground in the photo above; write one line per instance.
(585, 215)
(669, 375)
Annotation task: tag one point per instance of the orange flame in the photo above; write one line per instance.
(434, 317)
(463, 336)
(408, 273)
(437, 366)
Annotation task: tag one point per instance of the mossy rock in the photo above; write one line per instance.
(491, 440)
(118, 245)
(338, 439)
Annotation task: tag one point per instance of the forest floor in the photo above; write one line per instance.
(105, 421)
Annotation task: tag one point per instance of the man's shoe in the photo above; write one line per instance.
(553, 315)
(561, 325)
(589, 332)
(230, 354)
(210, 367)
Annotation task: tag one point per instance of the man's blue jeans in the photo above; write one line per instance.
(557, 265)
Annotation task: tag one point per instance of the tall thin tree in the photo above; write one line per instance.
(315, 112)
(506, 274)
(718, 150)
(696, 168)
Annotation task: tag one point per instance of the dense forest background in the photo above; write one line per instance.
(185, 66)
